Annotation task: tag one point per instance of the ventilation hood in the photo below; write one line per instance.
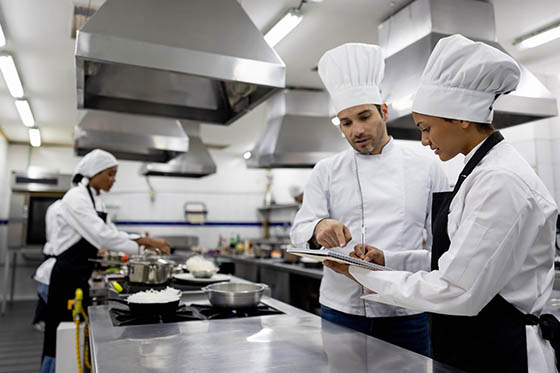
(196, 163)
(202, 60)
(408, 38)
(130, 137)
(299, 131)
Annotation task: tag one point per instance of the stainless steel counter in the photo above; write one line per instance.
(296, 341)
(279, 265)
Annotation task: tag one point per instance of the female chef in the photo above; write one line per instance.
(82, 229)
(493, 247)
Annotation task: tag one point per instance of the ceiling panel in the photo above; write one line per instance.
(38, 34)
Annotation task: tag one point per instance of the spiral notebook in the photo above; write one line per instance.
(324, 254)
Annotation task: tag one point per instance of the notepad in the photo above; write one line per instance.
(324, 254)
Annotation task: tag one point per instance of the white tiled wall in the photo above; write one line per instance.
(231, 195)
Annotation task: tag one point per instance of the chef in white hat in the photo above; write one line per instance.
(377, 190)
(81, 228)
(491, 268)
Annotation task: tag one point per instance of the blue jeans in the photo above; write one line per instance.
(48, 365)
(43, 291)
(410, 332)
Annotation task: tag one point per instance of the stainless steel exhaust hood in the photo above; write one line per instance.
(196, 163)
(409, 36)
(130, 137)
(202, 60)
(299, 131)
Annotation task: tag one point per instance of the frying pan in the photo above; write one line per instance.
(149, 308)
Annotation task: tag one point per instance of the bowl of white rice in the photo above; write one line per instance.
(201, 267)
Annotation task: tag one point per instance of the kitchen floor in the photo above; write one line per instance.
(20, 344)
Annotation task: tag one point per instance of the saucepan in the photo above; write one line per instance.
(234, 294)
(150, 269)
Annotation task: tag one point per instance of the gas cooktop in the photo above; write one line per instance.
(193, 312)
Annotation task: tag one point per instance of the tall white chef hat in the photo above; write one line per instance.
(463, 78)
(352, 73)
(93, 163)
(295, 190)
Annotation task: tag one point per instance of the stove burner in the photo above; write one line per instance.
(123, 317)
(215, 313)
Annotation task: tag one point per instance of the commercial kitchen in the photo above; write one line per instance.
(216, 113)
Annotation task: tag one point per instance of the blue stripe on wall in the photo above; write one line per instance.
(208, 223)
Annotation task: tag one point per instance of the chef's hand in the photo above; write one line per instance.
(331, 233)
(370, 254)
(339, 268)
(155, 243)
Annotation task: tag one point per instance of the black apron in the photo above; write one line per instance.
(495, 339)
(72, 270)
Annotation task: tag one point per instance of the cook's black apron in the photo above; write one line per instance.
(72, 270)
(495, 339)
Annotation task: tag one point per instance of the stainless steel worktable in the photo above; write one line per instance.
(294, 342)
(278, 264)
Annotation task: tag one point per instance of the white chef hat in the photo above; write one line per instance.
(93, 163)
(463, 78)
(352, 74)
(295, 190)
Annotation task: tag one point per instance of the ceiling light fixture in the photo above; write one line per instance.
(2, 37)
(35, 137)
(11, 76)
(283, 27)
(25, 113)
(538, 37)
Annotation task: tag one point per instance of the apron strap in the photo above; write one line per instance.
(91, 196)
(486, 146)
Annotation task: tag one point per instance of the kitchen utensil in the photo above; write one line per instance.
(149, 308)
(235, 294)
(150, 269)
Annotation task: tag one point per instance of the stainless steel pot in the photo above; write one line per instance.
(150, 270)
(235, 295)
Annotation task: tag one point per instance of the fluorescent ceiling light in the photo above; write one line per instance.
(335, 121)
(25, 113)
(2, 37)
(538, 38)
(11, 76)
(283, 27)
(247, 155)
(403, 103)
(35, 137)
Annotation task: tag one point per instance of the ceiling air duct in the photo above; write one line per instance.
(130, 137)
(196, 163)
(202, 60)
(408, 38)
(299, 131)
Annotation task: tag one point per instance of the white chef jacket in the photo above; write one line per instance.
(77, 219)
(397, 187)
(501, 226)
(43, 273)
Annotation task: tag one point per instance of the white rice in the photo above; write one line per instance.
(154, 296)
(198, 263)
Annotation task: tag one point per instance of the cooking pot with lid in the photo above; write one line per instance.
(150, 269)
